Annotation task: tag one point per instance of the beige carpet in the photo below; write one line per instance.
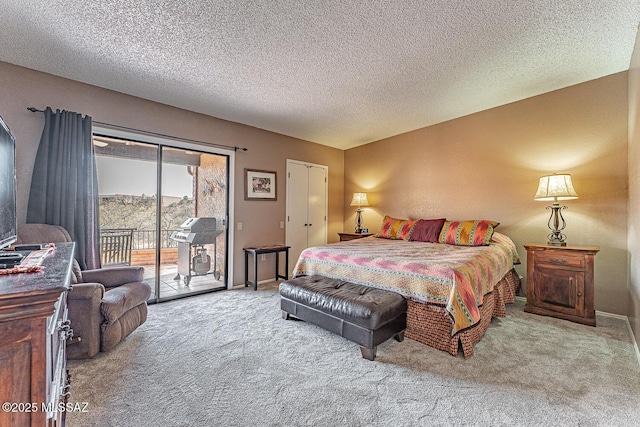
(229, 359)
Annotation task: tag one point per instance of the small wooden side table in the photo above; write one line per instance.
(345, 237)
(560, 282)
(265, 250)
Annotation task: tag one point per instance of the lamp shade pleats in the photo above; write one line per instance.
(555, 187)
(359, 199)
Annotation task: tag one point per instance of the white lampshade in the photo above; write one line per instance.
(555, 187)
(359, 199)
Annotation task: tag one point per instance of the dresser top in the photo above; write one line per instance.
(544, 246)
(54, 277)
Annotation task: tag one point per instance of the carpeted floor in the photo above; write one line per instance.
(229, 359)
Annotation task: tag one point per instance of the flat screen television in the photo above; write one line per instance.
(8, 217)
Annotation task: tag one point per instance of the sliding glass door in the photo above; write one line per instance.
(193, 218)
(128, 189)
(166, 209)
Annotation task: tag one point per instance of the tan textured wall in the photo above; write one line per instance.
(634, 191)
(487, 165)
(21, 88)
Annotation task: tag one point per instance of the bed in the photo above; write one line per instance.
(452, 291)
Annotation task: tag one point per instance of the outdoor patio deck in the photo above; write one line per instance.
(170, 287)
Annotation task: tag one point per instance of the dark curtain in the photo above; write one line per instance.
(64, 184)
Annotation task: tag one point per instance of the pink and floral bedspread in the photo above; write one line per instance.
(456, 277)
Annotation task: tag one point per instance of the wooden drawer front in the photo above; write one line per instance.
(560, 290)
(559, 259)
(17, 356)
(58, 330)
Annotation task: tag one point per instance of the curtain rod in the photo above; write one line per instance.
(161, 135)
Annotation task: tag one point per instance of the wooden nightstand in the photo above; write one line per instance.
(351, 236)
(560, 282)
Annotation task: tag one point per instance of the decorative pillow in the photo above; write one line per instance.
(396, 229)
(467, 233)
(427, 230)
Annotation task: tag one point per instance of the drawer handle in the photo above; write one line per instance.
(558, 261)
(65, 326)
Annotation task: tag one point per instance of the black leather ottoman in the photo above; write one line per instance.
(365, 315)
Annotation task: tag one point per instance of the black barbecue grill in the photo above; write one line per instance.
(192, 255)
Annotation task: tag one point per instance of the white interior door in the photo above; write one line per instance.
(306, 223)
(297, 210)
(317, 208)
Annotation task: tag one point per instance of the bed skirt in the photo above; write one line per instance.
(431, 324)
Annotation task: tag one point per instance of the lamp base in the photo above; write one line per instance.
(358, 220)
(556, 238)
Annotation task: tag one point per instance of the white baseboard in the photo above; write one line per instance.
(633, 338)
(612, 315)
(626, 320)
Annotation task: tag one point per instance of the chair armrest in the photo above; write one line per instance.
(119, 300)
(87, 291)
(84, 302)
(116, 276)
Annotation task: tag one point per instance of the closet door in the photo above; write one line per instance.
(306, 223)
(317, 206)
(297, 210)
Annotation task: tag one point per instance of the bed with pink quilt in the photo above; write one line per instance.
(452, 291)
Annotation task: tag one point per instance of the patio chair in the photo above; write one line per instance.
(115, 246)
(105, 305)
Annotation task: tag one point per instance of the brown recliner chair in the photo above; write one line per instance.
(105, 305)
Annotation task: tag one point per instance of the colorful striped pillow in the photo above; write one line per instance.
(467, 233)
(396, 229)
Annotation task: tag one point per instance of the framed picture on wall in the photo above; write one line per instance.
(259, 185)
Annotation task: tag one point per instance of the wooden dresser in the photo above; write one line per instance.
(33, 331)
(560, 282)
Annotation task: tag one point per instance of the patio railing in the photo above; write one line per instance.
(116, 244)
(146, 239)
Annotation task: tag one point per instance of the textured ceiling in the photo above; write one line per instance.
(339, 73)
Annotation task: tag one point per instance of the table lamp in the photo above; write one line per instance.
(359, 200)
(553, 188)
